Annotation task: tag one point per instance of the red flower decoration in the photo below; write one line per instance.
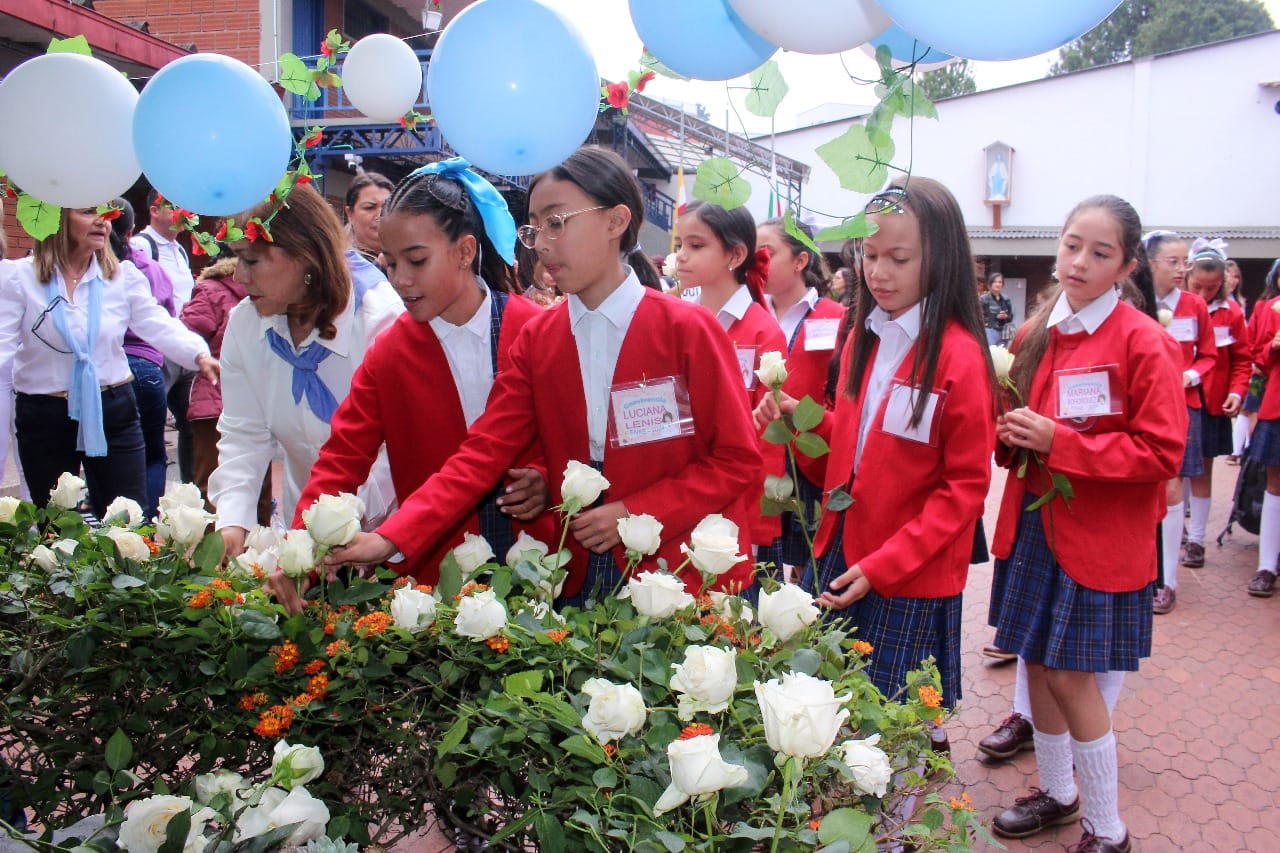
(645, 78)
(313, 139)
(619, 94)
(111, 213)
(253, 231)
(221, 233)
(325, 49)
(302, 180)
(196, 248)
(8, 191)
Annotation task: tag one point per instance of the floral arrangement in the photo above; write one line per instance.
(652, 719)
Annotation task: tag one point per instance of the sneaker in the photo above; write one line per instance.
(1011, 737)
(1263, 584)
(1090, 843)
(1032, 813)
(1193, 555)
(997, 653)
(1164, 600)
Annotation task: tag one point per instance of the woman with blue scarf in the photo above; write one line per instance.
(63, 316)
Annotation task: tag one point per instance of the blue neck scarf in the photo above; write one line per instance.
(365, 276)
(492, 207)
(306, 378)
(84, 397)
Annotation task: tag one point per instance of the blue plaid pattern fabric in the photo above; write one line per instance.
(1193, 457)
(1216, 440)
(494, 525)
(1264, 444)
(1046, 617)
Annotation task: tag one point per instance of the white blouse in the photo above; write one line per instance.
(258, 410)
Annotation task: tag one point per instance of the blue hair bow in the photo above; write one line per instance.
(498, 223)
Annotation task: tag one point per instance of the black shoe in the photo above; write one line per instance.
(1090, 843)
(1011, 737)
(1263, 584)
(1032, 813)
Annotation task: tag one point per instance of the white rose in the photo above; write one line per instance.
(299, 807)
(267, 561)
(670, 264)
(294, 764)
(778, 489)
(523, 545)
(254, 820)
(131, 545)
(715, 545)
(480, 615)
(1165, 316)
(705, 680)
(69, 491)
(788, 611)
(658, 594)
(772, 371)
(123, 511)
(184, 525)
(334, 519)
(145, 822)
(802, 714)
(1002, 361)
(66, 547)
(724, 604)
(413, 609)
(869, 765)
(180, 494)
(616, 710)
(210, 785)
(262, 538)
(640, 533)
(44, 558)
(697, 768)
(8, 508)
(552, 575)
(297, 554)
(474, 552)
(582, 485)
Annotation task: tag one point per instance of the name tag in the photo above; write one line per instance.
(820, 335)
(644, 412)
(1086, 393)
(899, 408)
(1185, 329)
(747, 364)
(1222, 336)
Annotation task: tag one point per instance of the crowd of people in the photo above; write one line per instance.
(410, 359)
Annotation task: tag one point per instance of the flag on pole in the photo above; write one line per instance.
(680, 202)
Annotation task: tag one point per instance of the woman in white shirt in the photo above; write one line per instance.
(63, 315)
(288, 355)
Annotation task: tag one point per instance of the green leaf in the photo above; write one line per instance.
(486, 736)
(855, 227)
(838, 499)
(296, 77)
(80, 648)
(777, 433)
(861, 165)
(913, 100)
(1022, 469)
(793, 228)
(208, 554)
(360, 591)
(605, 777)
(450, 577)
(767, 89)
(38, 218)
(652, 63)
(126, 581)
(256, 625)
(1064, 486)
(75, 44)
(808, 414)
(584, 747)
(851, 825)
(119, 750)
(175, 833)
(523, 683)
(672, 842)
(812, 445)
(720, 182)
(453, 737)
(806, 661)
(550, 832)
(1043, 499)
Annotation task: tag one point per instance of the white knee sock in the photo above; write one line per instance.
(1269, 533)
(1099, 796)
(1021, 696)
(1171, 533)
(1239, 434)
(1053, 760)
(1199, 519)
(1110, 684)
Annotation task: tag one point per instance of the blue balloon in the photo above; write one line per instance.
(513, 87)
(906, 48)
(703, 39)
(997, 29)
(209, 162)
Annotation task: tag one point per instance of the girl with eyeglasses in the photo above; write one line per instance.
(584, 377)
(1100, 402)
(64, 314)
(911, 439)
(449, 243)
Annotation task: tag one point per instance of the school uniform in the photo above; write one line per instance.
(1264, 445)
(556, 400)
(264, 404)
(754, 332)
(917, 495)
(1073, 586)
(418, 390)
(1195, 336)
(1229, 374)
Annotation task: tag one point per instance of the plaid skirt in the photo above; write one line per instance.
(903, 631)
(495, 526)
(1265, 443)
(1046, 617)
(1217, 439)
(1193, 456)
(603, 575)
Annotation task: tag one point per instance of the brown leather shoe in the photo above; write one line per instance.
(1263, 584)
(1090, 843)
(1163, 601)
(1193, 555)
(1032, 813)
(999, 654)
(1010, 737)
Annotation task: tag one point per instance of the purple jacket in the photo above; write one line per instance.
(206, 315)
(162, 290)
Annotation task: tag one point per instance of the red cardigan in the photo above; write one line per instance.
(759, 329)
(807, 372)
(1117, 464)
(539, 403)
(1198, 355)
(915, 505)
(403, 394)
(1264, 323)
(1231, 369)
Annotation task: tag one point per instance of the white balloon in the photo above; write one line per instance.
(382, 77)
(68, 130)
(814, 26)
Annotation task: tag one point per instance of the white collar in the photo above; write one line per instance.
(908, 321)
(738, 304)
(478, 325)
(1170, 299)
(340, 343)
(1090, 316)
(618, 307)
(810, 298)
(1217, 305)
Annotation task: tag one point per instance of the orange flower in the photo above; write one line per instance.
(336, 648)
(274, 721)
(151, 545)
(200, 600)
(249, 701)
(930, 697)
(424, 588)
(302, 700)
(220, 583)
(286, 656)
(318, 686)
(468, 588)
(557, 635)
(964, 802)
(814, 824)
(696, 730)
(498, 644)
(401, 581)
(862, 647)
(314, 667)
(611, 749)
(372, 623)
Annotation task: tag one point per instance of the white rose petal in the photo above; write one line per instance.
(44, 558)
(523, 545)
(697, 769)
(413, 609)
(772, 371)
(724, 604)
(185, 525)
(180, 494)
(869, 765)
(1165, 316)
(210, 785)
(267, 561)
(130, 545)
(334, 519)
(802, 715)
(145, 822)
(787, 611)
(297, 554)
(299, 807)
(582, 484)
(262, 538)
(670, 264)
(705, 680)
(714, 545)
(66, 547)
(474, 552)
(123, 511)
(640, 533)
(8, 508)
(480, 616)
(1002, 361)
(69, 491)
(294, 764)
(778, 489)
(616, 710)
(658, 594)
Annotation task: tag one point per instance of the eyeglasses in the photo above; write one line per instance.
(887, 201)
(553, 227)
(35, 327)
